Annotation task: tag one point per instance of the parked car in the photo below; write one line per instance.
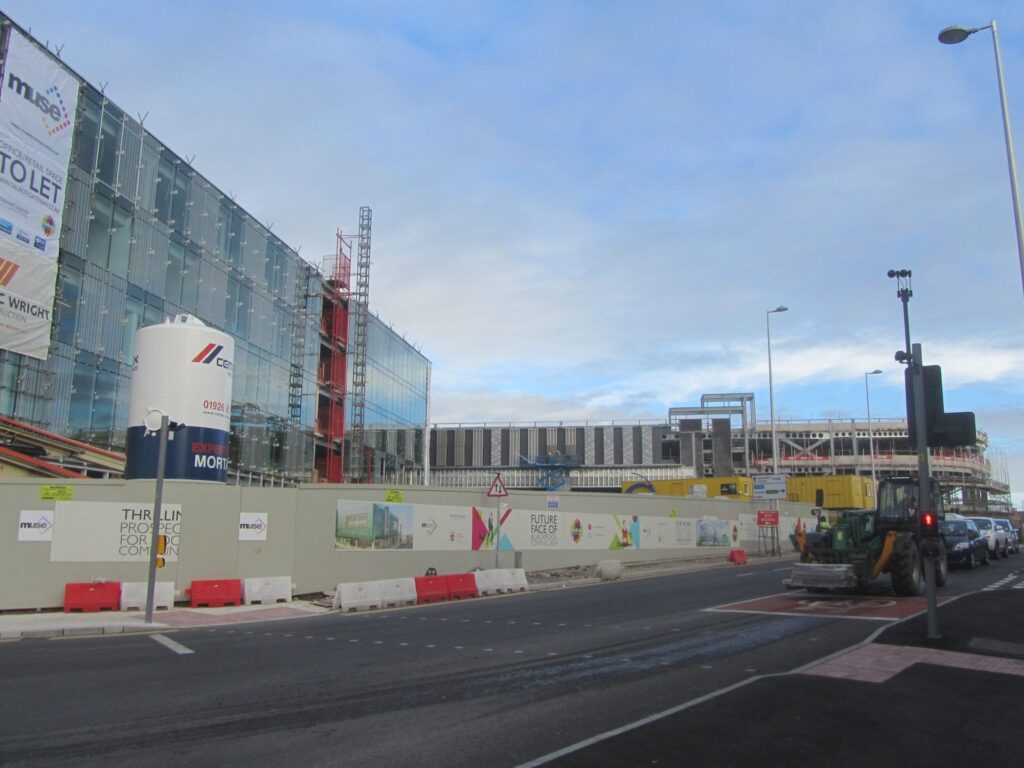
(965, 545)
(997, 542)
(1012, 537)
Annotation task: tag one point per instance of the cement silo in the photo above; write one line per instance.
(184, 369)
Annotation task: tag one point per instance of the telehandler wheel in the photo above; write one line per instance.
(907, 574)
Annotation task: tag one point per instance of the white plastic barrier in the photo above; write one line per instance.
(397, 592)
(515, 580)
(490, 582)
(270, 589)
(357, 595)
(134, 594)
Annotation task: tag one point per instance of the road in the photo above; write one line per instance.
(488, 682)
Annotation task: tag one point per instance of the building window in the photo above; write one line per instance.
(110, 234)
(69, 292)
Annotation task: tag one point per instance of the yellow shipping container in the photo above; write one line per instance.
(832, 491)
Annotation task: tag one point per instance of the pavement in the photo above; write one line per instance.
(16, 625)
(51, 623)
(900, 695)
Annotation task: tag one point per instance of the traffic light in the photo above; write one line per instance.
(942, 430)
(161, 549)
(929, 524)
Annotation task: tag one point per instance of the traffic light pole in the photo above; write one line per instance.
(913, 358)
(924, 485)
(161, 463)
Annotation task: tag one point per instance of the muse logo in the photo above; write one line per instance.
(210, 353)
(49, 102)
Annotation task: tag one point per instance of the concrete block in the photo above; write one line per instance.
(609, 570)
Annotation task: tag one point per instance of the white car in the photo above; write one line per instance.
(1012, 542)
(998, 545)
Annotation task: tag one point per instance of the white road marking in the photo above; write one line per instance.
(178, 648)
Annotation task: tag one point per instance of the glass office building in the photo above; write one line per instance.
(145, 236)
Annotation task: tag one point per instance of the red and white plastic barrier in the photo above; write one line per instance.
(515, 580)
(490, 582)
(135, 593)
(215, 593)
(738, 556)
(365, 595)
(92, 596)
(270, 589)
(358, 596)
(395, 593)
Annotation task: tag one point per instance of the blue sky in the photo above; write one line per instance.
(584, 209)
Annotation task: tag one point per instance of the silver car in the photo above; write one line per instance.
(998, 544)
(1012, 538)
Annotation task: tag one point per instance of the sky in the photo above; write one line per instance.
(584, 210)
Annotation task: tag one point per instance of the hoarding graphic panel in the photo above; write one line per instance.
(38, 100)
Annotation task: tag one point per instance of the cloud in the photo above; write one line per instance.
(584, 210)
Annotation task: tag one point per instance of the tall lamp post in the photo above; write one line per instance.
(771, 384)
(956, 34)
(871, 440)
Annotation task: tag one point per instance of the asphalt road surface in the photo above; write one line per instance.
(487, 682)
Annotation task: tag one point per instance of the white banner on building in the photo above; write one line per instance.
(38, 100)
(111, 532)
(252, 526)
(35, 525)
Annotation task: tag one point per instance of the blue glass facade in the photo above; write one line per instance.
(397, 384)
(146, 236)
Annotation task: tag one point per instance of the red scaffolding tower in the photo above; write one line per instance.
(331, 371)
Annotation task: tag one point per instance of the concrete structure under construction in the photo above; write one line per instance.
(721, 436)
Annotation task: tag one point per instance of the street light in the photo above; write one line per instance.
(956, 34)
(771, 386)
(871, 441)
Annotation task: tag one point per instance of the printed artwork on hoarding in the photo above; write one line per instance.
(253, 526)
(111, 532)
(439, 528)
(594, 532)
(629, 532)
(369, 525)
(373, 525)
(35, 525)
(38, 100)
(668, 532)
(712, 532)
(485, 530)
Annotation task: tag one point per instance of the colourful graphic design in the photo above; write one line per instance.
(485, 531)
(628, 535)
(576, 531)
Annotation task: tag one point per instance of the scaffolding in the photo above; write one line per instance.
(359, 301)
(331, 371)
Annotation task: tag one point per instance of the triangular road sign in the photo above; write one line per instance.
(498, 488)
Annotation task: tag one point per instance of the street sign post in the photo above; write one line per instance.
(769, 487)
(497, 491)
